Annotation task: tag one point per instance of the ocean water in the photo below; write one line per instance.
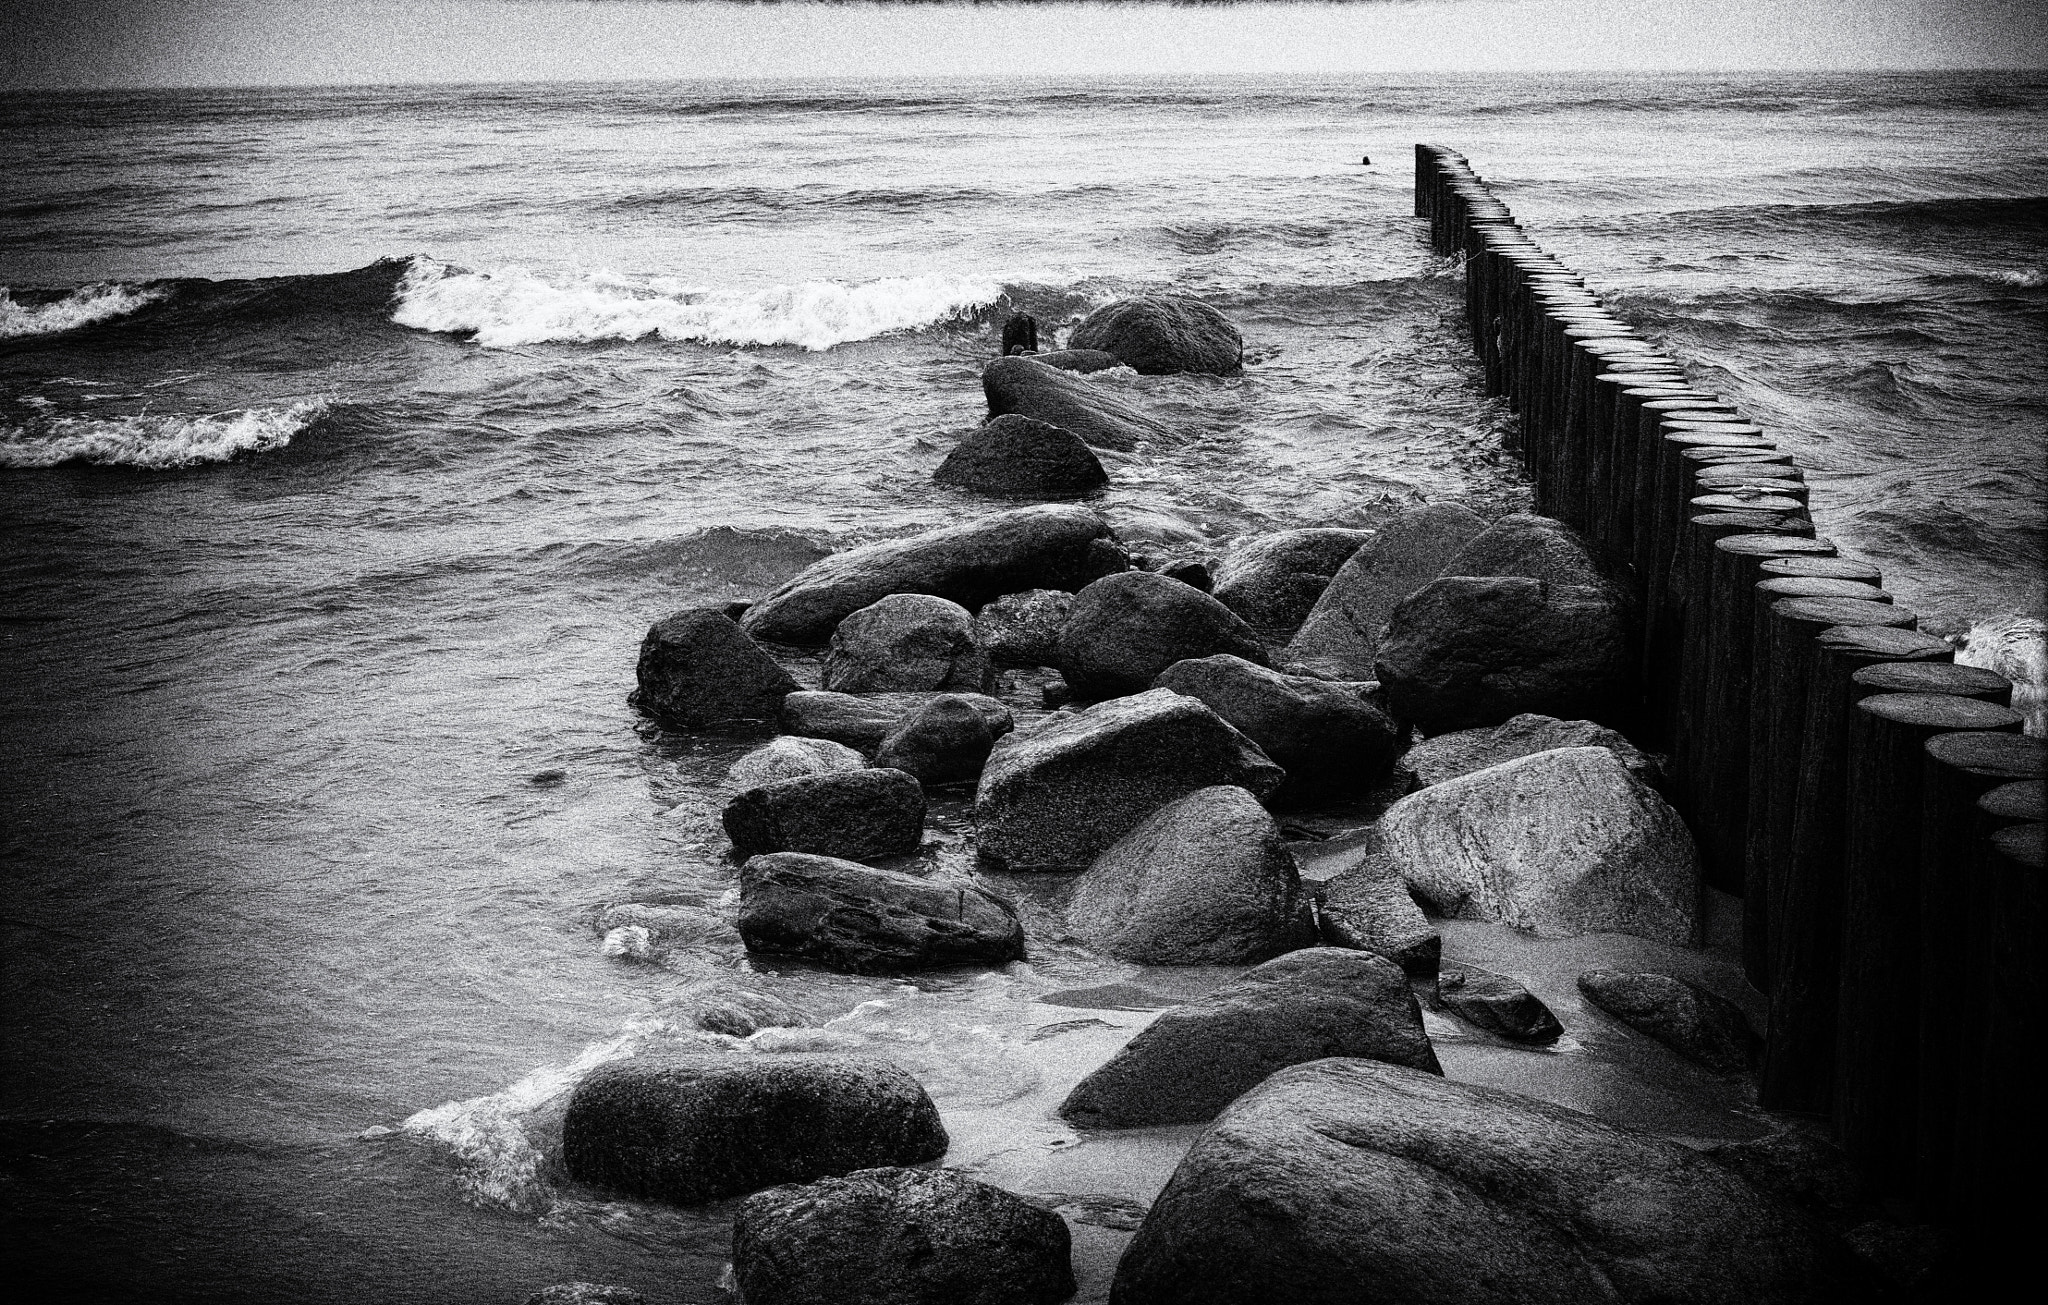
(350, 440)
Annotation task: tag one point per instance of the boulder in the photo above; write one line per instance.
(1196, 1059)
(899, 1237)
(1024, 629)
(585, 1293)
(905, 643)
(789, 756)
(946, 741)
(1027, 387)
(1014, 454)
(1158, 334)
(1330, 737)
(1054, 797)
(1341, 634)
(1466, 651)
(1203, 880)
(1461, 752)
(1367, 906)
(863, 722)
(1560, 843)
(698, 668)
(850, 813)
(1273, 581)
(1497, 1004)
(1127, 628)
(1353, 1181)
(867, 921)
(1800, 1169)
(1699, 1025)
(1525, 544)
(725, 1006)
(697, 1128)
(1077, 360)
(1048, 546)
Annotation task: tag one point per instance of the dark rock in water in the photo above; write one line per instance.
(1125, 629)
(1367, 906)
(1198, 1058)
(1497, 1004)
(1204, 880)
(789, 756)
(1273, 581)
(852, 814)
(1022, 455)
(863, 722)
(697, 668)
(1047, 546)
(1190, 572)
(1020, 332)
(585, 1293)
(1329, 737)
(867, 921)
(1461, 752)
(1525, 544)
(1158, 334)
(702, 1127)
(899, 1237)
(1466, 651)
(726, 1007)
(1024, 629)
(1078, 360)
(648, 931)
(1809, 1172)
(1054, 797)
(547, 778)
(1029, 388)
(1341, 634)
(906, 643)
(1695, 1023)
(946, 741)
(1354, 1181)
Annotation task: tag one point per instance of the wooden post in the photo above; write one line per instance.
(2002, 1144)
(1946, 678)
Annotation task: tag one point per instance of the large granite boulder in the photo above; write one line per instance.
(1355, 1181)
(1048, 546)
(946, 741)
(1014, 454)
(1203, 880)
(1525, 544)
(698, 668)
(1024, 629)
(867, 921)
(1331, 738)
(1466, 651)
(1054, 797)
(863, 721)
(1127, 628)
(848, 813)
(1158, 334)
(906, 643)
(697, 1128)
(1273, 581)
(1341, 635)
(1461, 752)
(1701, 1026)
(899, 1237)
(1196, 1059)
(1026, 387)
(790, 756)
(1496, 1003)
(1366, 904)
(1560, 843)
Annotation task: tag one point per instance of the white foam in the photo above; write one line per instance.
(511, 306)
(82, 307)
(2017, 648)
(156, 441)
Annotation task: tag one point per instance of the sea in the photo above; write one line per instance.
(350, 440)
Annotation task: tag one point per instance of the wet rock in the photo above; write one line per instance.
(697, 668)
(863, 722)
(1809, 1172)
(905, 643)
(1341, 635)
(1467, 651)
(1190, 572)
(1196, 1059)
(1014, 454)
(789, 756)
(648, 931)
(1047, 546)
(585, 1293)
(1368, 906)
(946, 741)
(1273, 581)
(1352, 1180)
(867, 921)
(1461, 752)
(1024, 629)
(899, 1237)
(1159, 334)
(1330, 737)
(1697, 1024)
(1496, 1003)
(1078, 360)
(1125, 629)
(1054, 797)
(1525, 544)
(1027, 387)
(726, 1007)
(1560, 843)
(1203, 880)
(698, 1128)
(852, 814)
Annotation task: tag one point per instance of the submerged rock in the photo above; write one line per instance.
(1024, 629)
(1368, 906)
(697, 668)
(1330, 737)
(1273, 581)
(725, 1006)
(853, 814)
(1341, 634)
(906, 643)
(1496, 1003)
(1461, 752)
(1695, 1023)
(1125, 629)
(1159, 334)
(1077, 360)
(788, 757)
(946, 741)
(1014, 454)
(1027, 387)
(863, 721)
(585, 1293)
(863, 920)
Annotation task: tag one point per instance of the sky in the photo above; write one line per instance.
(143, 43)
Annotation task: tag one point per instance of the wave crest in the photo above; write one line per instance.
(156, 442)
(82, 307)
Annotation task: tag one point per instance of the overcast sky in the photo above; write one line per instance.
(48, 43)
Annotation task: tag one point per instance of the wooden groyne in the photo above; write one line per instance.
(1875, 805)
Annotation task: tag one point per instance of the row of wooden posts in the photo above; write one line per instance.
(1875, 804)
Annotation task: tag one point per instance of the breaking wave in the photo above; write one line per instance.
(156, 442)
(82, 307)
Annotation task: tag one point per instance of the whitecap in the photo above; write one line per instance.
(82, 307)
(2017, 648)
(148, 440)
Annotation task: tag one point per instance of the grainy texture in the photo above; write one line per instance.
(1331, 738)
(1461, 752)
(1023, 629)
(1496, 1003)
(1341, 634)
(697, 668)
(1125, 629)
(863, 721)
(1273, 581)
(1015, 454)
(1059, 397)
(1368, 906)
(864, 920)
(907, 643)
(945, 741)
(849, 813)
(791, 756)
(1158, 334)
(1697, 1024)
